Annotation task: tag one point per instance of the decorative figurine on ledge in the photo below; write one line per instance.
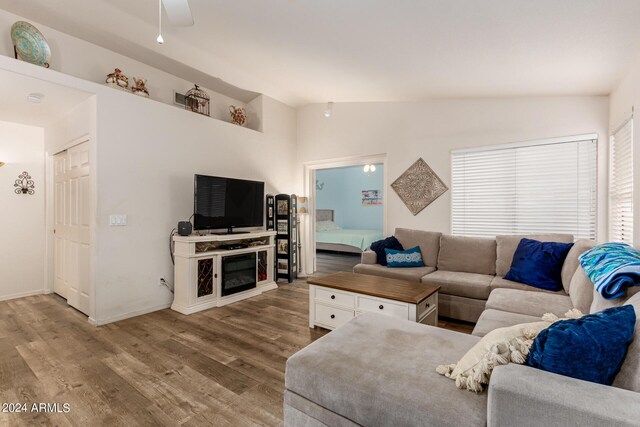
(140, 87)
(238, 115)
(117, 79)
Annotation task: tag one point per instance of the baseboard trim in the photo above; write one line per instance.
(22, 295)
(116, 318)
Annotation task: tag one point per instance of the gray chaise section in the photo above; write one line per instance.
(380, 371)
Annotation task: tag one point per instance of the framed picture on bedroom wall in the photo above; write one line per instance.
(371, 197)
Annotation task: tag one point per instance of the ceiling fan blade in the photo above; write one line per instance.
(178, 12)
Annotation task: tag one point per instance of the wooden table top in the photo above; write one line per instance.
(382, 287)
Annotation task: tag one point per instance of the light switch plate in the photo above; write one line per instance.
(117, 220)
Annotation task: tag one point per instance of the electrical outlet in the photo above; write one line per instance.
(117, 220)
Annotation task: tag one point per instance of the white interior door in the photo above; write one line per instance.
(59, 223)
(71, 175)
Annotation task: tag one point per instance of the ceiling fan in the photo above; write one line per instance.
(178, 12)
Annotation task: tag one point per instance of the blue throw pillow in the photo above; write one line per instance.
(409, 258)
(539, 264)
(379, 246)
(591, 348)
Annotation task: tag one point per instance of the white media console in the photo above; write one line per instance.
(209, 274)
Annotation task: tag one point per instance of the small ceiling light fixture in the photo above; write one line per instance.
(369, 168)
(36, 98)
(160, 40)
(329, 110)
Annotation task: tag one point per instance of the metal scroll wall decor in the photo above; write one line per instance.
(419, 186)
(24, 184)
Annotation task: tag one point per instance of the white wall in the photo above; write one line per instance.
(621, 104)
(431, 129)
(144, 156)
(145, 170)
(22, 217)
(88, 61)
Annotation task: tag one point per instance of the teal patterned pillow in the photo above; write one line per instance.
(409, 258)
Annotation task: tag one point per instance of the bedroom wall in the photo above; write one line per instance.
(431, 129)
(623, 99)
(22, 217)
(342, 192)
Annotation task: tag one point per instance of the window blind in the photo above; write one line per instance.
(536, 187)
(621, 184)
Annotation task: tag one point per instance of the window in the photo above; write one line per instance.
(534, 187)
(621, 184)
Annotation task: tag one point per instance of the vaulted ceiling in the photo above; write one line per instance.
(303, 51)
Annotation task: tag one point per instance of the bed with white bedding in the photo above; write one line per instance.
(330, 237)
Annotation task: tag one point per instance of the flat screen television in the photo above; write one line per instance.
(221, 203)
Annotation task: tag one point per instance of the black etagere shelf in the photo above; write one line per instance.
(282, 211)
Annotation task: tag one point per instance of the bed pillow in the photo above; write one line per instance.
(326, 226)
(539, 264)
(409, 258)
(591, 348)
(379, 246)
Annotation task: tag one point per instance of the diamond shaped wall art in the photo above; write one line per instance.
(419, 186)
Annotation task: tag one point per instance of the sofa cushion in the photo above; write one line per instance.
(393, 382)
(529, 303)
(467, 254)
(581, 291)
(571, 262)
(413, 274)
(539, 264)
(591, 348)
(502, 283)
(404, 259)
(493, 319)
(473, 371)
(379, 247)
(506, 247)
(629, 375)
(470, 285)
(429, 242)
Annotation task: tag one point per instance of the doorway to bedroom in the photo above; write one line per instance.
(349, 214)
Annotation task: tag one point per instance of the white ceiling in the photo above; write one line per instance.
(302, 51)
(15, 108)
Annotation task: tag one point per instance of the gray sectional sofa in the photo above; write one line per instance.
(380, 371)
(467, 269)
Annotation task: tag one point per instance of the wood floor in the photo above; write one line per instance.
(223, 366)
(220, 367)
(331, 262)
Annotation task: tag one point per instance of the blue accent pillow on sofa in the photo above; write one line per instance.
(409, 258)
(591, 348)
(379, 246)
(539, 264)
